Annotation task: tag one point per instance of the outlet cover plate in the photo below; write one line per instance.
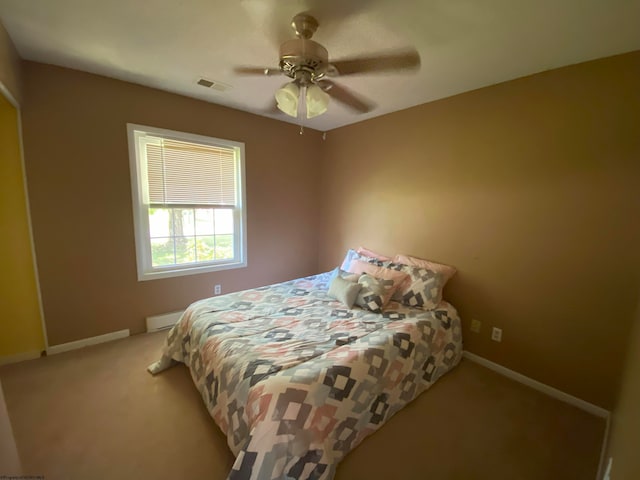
(476, 325)
(496, 334)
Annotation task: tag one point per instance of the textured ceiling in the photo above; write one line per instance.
(463, 44)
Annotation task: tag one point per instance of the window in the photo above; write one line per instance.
(188, 202)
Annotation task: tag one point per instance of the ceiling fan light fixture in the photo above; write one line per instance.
(287, 99)
(317, 101)
(307, 62)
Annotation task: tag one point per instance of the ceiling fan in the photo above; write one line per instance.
(307, 63)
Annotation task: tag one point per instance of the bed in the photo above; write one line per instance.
(296, 380)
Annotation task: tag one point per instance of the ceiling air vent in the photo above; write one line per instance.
(220, 87)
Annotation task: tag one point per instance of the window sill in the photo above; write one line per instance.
(186, 270)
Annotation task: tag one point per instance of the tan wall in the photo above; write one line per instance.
(625, 436)
(530, 188)
(10, 66)
(78, 169)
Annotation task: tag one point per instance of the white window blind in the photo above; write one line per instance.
(182, 173)
(188, 202)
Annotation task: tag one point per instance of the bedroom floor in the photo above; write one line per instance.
(96, 413)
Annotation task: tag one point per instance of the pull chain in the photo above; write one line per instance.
(303, 104)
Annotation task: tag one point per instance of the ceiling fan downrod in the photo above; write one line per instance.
(304, 25)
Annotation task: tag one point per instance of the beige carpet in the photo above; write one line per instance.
(97, 414)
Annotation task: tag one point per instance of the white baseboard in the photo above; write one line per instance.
(162, 322)
(85, 342)
(602, 473)
(19, 357)
(541, 387)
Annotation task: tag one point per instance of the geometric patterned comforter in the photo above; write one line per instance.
(296, 380)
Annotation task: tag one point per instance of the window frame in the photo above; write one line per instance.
(141, 205)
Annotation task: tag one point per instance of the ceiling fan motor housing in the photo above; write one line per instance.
(306, 55)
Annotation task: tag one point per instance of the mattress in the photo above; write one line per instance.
(296, 380)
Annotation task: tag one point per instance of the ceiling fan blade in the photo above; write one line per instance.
(266, 71)
(398, 60)
(346, 97)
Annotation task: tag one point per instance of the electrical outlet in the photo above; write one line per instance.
(476, 325)
(496, 334)
(217, 289)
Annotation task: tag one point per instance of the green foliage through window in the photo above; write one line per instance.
(190, 235)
